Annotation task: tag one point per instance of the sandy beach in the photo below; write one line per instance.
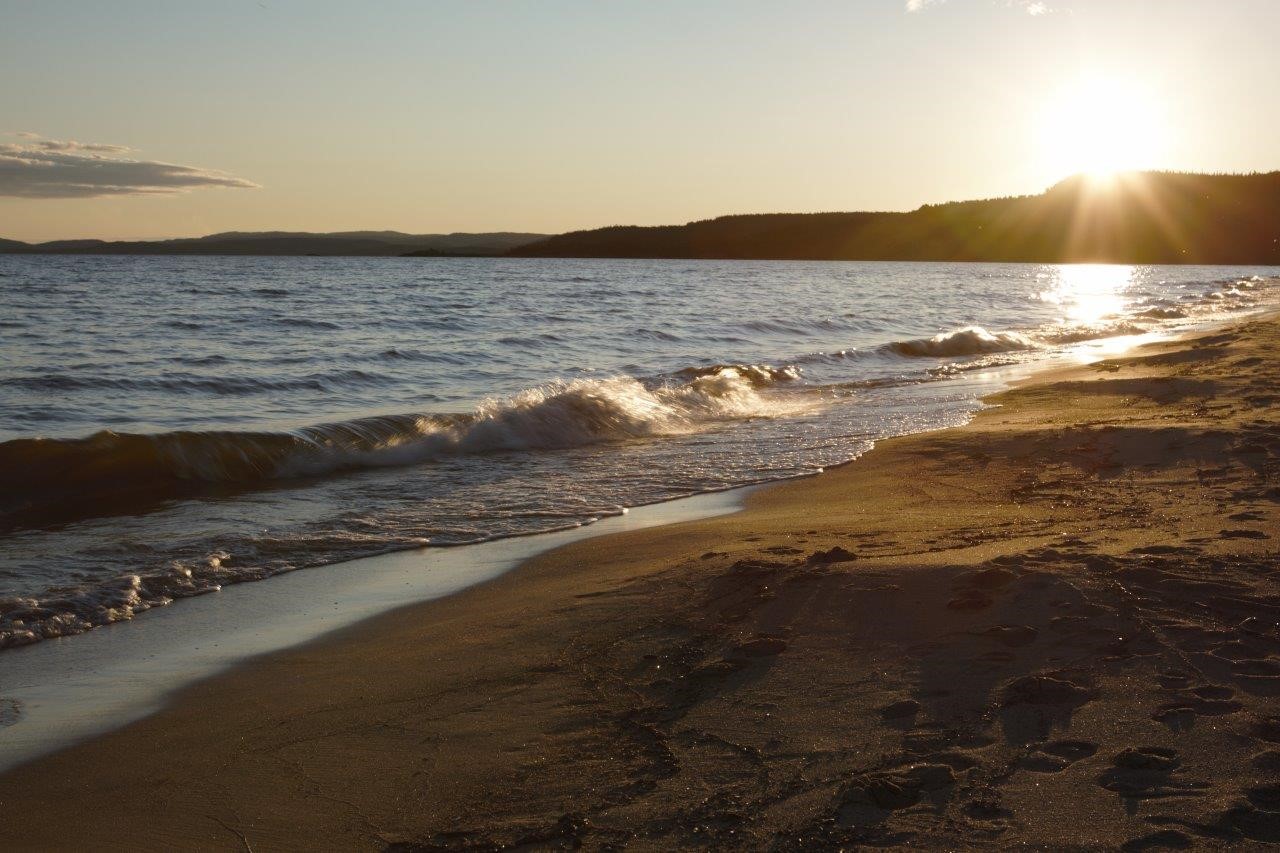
(1056, 626)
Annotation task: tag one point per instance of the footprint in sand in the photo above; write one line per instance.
(1165, 839)
(1251, 822)
(1243, 534)
(1057, 755)
(938, 745)
(1147, 773)
(1033, 706)
(1177, 718)
(1045, 690)
(986, 807)
(869, 798)
(1070, 750)
(1209, 700)
(1255, 817)
(1148, 758)
(903, 712)
(833, 555)
(1247, 516)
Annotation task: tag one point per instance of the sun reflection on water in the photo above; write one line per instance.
(1089, 293)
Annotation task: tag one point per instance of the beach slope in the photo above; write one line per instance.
(1055, 626)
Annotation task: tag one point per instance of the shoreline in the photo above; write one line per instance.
(444, 724)
(52, 690)
(52, 697)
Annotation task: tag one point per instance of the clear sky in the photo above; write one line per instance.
(554, 115)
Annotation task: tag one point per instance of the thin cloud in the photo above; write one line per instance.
(57, 168)
(1031, 7)
(72, 145)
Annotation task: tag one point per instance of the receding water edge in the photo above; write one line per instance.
(65, 690)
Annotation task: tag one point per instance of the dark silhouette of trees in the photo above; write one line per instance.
(1139, 217)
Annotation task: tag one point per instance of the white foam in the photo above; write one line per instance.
(970, 340)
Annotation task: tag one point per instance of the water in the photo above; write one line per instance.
(171, 425)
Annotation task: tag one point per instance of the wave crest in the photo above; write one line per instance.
(971, 340)
(758, 375)
(975, 340)
(58, 479)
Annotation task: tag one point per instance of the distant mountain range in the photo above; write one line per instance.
(1140, 217)
(361, 243)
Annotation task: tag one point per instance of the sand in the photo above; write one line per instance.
(1056, 626)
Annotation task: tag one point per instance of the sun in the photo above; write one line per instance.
(1100, 126)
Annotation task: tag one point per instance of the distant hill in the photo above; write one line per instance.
(1141, 217)
(360, 243)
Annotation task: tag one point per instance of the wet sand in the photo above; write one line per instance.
(1055, 626)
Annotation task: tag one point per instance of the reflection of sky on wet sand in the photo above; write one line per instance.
(1088, 293)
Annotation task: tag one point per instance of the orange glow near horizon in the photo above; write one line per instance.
(1101, 126)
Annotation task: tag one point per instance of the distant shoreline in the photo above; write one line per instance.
(279, 243)
(1151, 218)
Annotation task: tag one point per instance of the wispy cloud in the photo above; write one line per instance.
(1031, 7)
(56, 168)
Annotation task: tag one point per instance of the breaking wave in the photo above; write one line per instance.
(975, 340)
(44, 480)
(971, 340)
(47, 479)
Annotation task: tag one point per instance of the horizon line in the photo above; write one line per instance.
(342, 231)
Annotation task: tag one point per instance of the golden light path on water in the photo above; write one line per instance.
(1089, 293)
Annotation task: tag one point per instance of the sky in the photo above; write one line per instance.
(143, 120)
